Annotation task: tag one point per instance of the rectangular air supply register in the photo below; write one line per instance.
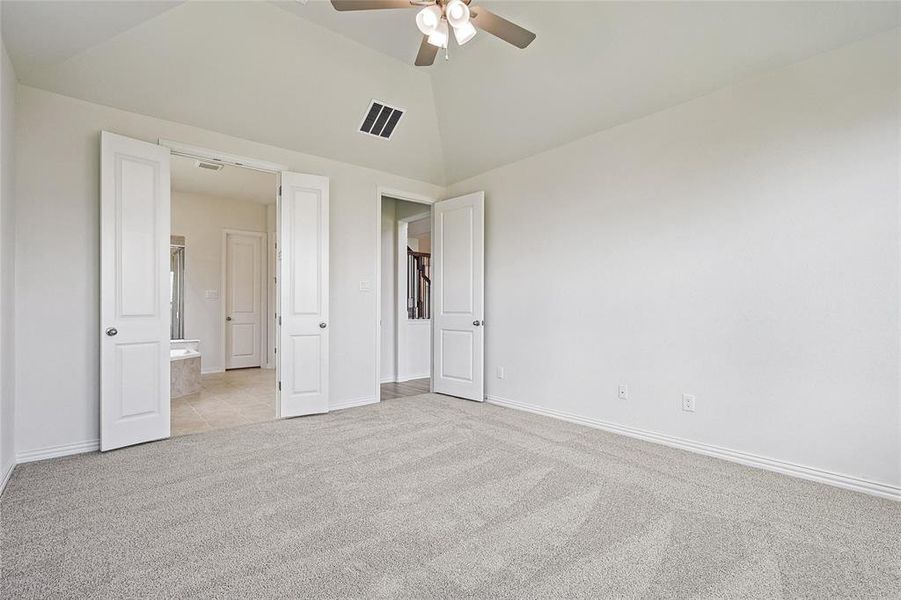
(381, 120)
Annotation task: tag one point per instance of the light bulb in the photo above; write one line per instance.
(464, 33)
(439, 36)
(457, 13)
(428, 19)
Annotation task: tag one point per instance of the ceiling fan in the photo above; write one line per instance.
(438, 17)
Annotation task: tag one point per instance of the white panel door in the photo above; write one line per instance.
(458, 296)
(303, 304)
(243, 299)
(134, 291)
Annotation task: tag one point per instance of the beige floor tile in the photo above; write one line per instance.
(227, 399)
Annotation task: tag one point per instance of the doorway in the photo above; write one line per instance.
(405, 303)
(444, 286)
(148, 286)
(222, 373)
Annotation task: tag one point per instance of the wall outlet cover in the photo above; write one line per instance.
(688, 402)
(622, 391)
(500, 372)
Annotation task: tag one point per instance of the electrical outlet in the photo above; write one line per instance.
(623, 391)
(688, 402)
(500, 372)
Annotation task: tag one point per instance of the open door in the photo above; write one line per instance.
(458, 296)
(134, 291)
(303, 279)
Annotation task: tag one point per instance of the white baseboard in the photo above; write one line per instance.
(55, 451)
(847, 482)
(353, 403)
(403, 378)
(211, 371)
(388, 380)
(5, 477)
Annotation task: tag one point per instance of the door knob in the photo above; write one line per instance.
(228, 318)
(111, 331)
(322, 326)
(476, 323)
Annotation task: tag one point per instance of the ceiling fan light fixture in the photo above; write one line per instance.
(440, 35)
(457, 13)
(464, 33)
(428, 19)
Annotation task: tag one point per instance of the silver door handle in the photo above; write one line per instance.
(322, 326)
(228, 318)
(476, 323)
(111, 331)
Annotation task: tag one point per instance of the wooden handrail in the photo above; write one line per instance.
(419, 283)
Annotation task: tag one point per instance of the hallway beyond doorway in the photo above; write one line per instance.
(414, 387)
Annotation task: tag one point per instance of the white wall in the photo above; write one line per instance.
(57, 262)
(7, 264)
(201, 219)
(742, 247)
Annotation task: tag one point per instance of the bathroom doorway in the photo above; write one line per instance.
(222, 280)
(137, 271)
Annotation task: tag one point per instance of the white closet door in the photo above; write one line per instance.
(303, 281)
(243, 299)
(458, 296)
(135, 292)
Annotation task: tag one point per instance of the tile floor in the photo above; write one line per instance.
(414, 387)
(227, 399)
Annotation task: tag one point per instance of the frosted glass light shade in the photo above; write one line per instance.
(464, 33)
(457, 13)
(439, 36)
(428, 19)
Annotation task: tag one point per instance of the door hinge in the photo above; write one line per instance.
(275, 350)
(279, 190)
(279, 386)
(279, 319)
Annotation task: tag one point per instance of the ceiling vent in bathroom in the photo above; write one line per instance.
(381, 119)
(209, 166)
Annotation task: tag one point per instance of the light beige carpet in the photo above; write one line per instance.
(434, 497)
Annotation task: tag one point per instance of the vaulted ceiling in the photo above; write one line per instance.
(300, 75)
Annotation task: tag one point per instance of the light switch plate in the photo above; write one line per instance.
(365, 286)
(211, 294)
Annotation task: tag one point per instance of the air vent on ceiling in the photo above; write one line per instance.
(209, 166)
(381, 120)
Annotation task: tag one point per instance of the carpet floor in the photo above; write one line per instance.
(434, 497)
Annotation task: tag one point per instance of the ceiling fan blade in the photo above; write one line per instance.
(344, 5)
(486, 20)
(426, 54)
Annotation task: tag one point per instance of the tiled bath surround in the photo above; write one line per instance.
(184, 366)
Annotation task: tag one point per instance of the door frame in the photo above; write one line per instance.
(381, 192)
(207, 154)
(264, 295)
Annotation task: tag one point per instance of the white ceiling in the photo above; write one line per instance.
(231, 183)
(46, 32)
(251, 70)
(248, 70)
